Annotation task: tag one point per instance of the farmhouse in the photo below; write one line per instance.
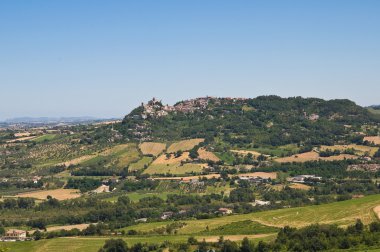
(102, 189)
(254, 180)
(166, 215)
(36, 179)
(142, 220)
(15, 235)
(260, 203)
(225, 211)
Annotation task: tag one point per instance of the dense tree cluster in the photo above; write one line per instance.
(83, 184)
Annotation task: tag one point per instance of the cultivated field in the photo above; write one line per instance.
(300, 186)
(21, 139)
(377, 211)
(93, 244)
(359, 149)
(312, 156)
(22, 134)
(59, 194)
(151, 148)
(172, 159)
(77, 160)
(189, 178)
(246, 152)
(374, 139)
(67, 227)
(184, 145)
(264, 175)
(207, 155)
(175, 169)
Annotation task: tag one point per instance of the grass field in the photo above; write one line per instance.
(67, 227)
(374, 139)
(207, 155)
(284, 150)
(246, 152)
(341, 213)
(93, 244)
(300, 186)
(151, 148)
(21, 139)
(175, 169)
(359, 149)
(184, 145)
(140, 165)
(312, 156)
(172, 159)
(118, 156)
(246, 227)
(59, 194)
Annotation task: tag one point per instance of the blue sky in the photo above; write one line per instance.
(103, 58)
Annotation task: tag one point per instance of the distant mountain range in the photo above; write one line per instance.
(52, 121)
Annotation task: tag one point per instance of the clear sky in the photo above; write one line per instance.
(103, 58)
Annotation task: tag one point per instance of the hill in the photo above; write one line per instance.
(270, 120)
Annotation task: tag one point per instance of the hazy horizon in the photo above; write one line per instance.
(102, 59)
(121, 116)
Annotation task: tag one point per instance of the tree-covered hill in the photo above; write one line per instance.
(263, 120)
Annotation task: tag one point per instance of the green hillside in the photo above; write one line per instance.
(267, 120)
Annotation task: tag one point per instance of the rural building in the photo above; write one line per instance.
(36, 179)
(15, 235)
(260, 203)
(225, 211)
(255, 180)
(166, 215)
(142, 220)
(102, 189)
(301, 178)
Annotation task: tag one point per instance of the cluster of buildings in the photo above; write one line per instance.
(34, 179)
(191, 105)
(312, 117)
(303, 178)
(155, 108)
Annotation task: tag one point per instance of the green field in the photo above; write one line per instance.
(118, 156)
(136, 196)
(140, 165)
(341, 213)
(175, 169)
(93, 244)
(264, 223)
